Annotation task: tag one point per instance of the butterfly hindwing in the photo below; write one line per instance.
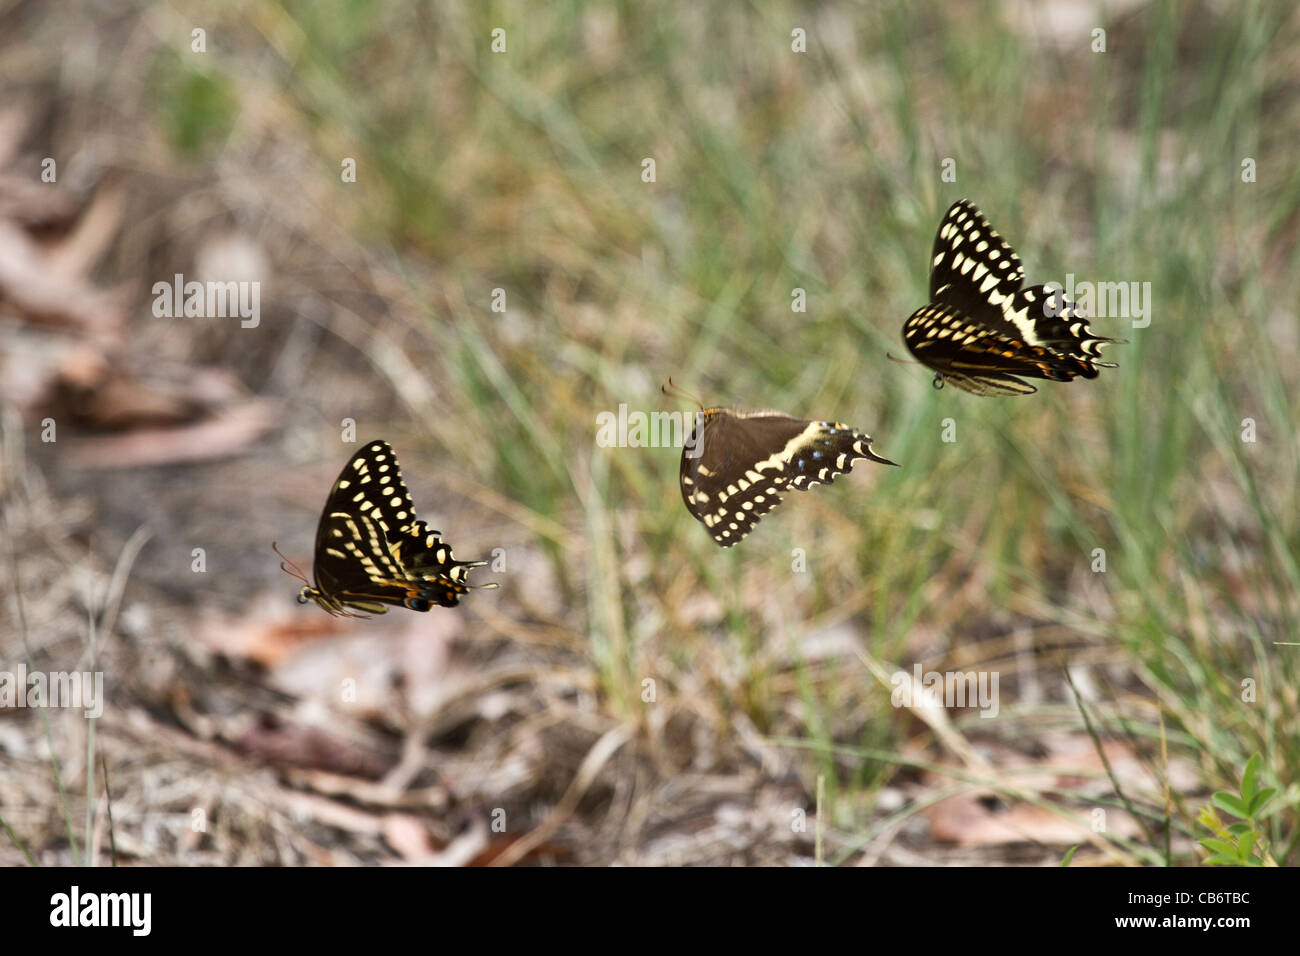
(982, 328)
(737, 465)
(372, 550)
(1058, 324)
(428, 559)
(971, 358)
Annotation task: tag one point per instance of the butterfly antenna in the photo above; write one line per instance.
(293, 569)
(677, 390)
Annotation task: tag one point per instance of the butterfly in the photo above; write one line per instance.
(982, 328)
(737, 465)
(371, 549)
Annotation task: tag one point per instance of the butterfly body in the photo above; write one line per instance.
(983, 328)
(371, 549)
(737, 465)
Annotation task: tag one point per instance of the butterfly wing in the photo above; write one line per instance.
(971, 358)
(982, 329)
(738, 465)
(354, 568)
(972, 268)
(1059, 326)
(430, 564)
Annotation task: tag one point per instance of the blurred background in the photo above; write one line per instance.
(1121, 552)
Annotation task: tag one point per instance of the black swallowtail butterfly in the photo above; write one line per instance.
(982, 329)
(371, 549)
(737, 465)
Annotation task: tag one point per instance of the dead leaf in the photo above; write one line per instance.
(978, 818)
(305, 746)
(229, 432)
(407, 835)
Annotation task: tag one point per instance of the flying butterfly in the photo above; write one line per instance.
(737, 465)
(371, 549)
(983, 328)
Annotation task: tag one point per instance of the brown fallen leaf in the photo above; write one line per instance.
(228, 432)
(44, 292)
(973, 819)
(104, 398)
(408, 836)
(315, 748)
(119, 401)
(272, 630)
(392, 662)
(1069, 762)
(76, 254)
(35, 363)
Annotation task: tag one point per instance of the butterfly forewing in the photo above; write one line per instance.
(982, 328)
(738, 465)
(371, 484)
(372, 550)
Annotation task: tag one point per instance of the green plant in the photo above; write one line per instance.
(1244, 843)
